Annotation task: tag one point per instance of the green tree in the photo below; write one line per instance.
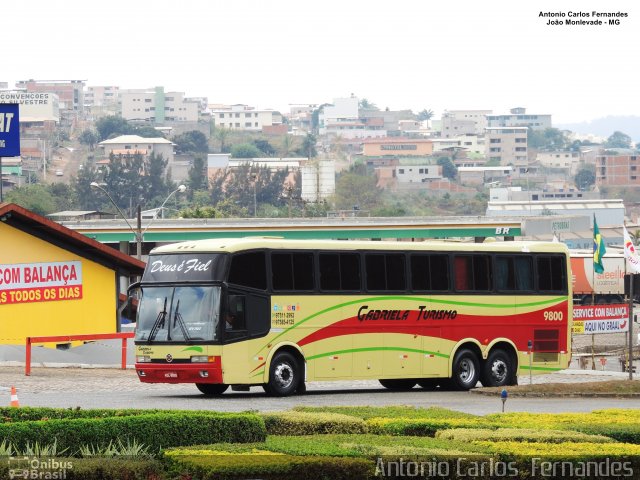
(548, 139)
(449, 170)
(197, 175)
(146, 131)
(36, 198)
(288, 145)
(221, 135)
(112, 126)
(618, 140)
(585, 177)
(157, 183)
(89, 138)
(425, 115)
(245, 150)
(365, 104)
(192, 141)
(357, 188)
(125, 182)
(85, 194)
(308, 148)
(265, 147)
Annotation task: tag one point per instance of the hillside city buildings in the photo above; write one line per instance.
(406, 150)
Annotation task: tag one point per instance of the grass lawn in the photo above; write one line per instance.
(607, 388)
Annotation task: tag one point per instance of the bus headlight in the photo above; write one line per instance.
(199, 359)
(143, 359)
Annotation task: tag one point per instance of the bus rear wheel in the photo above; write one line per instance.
(212, 388)
(398, 383)
(466, 370)
(284, 375)
(498, 370)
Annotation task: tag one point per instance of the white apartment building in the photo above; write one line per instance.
(518, 117)
(243, 117)
(506, 145)
(101, 96)
(565, 160)
(135, 144)
(417, 173)
(462, 122)
(157, 106)
(342, 119)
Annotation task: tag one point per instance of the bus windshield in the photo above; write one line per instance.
(179, 314)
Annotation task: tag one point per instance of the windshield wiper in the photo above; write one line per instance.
(177, 318)
(159, 322)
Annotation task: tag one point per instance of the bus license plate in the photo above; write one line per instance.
(171, 375)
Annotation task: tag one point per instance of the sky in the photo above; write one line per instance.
(405, 54)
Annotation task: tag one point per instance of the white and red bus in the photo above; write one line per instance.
(276, 313)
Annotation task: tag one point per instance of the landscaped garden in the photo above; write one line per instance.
(318, 443)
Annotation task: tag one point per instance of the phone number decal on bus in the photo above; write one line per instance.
(281, 319)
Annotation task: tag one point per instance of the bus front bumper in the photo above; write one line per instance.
(179, 373)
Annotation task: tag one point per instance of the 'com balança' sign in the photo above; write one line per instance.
(40, 282)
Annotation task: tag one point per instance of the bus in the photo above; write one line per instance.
(277, 313)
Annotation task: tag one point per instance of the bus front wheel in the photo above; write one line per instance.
(212, 388)
(284, 375)
(466, 370)
(498, 370)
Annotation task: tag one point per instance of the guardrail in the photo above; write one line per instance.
(70, 338)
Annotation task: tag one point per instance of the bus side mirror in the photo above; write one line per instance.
(132, 287)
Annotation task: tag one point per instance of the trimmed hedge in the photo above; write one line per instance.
(22, 414)
(366, 412)
(569, 450)
(519, 435)
(156, 431)
(271, 467)
(312, 423)
(421, 427)
(93, 469)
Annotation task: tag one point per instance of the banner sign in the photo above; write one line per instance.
(9, 130)
(196, 267)
(40, 282)
(592, 319)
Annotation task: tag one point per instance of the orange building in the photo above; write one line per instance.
(398, 147)
(618, 170)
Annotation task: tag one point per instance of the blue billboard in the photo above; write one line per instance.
(9, 130)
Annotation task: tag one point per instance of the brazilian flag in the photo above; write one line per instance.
(598, 248)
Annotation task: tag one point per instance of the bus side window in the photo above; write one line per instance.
(473, 273)
(292, 271)
(249, 270)
(236, 313)
(429, 272)
(551, 274)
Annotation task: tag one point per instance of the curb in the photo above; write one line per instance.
(560, 395)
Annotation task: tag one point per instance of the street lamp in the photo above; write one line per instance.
(139, 232)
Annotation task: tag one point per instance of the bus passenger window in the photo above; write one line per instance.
(339, 271)
(249, 270)
(292, 271)
(430, 272)
(385, 272)
(551, 274)
(473, 273)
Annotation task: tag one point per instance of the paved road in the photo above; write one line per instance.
(113, 388)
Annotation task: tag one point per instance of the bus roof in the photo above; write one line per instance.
(231, 245)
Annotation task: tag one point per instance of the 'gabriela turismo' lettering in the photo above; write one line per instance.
(423, 314)
(365, 314)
